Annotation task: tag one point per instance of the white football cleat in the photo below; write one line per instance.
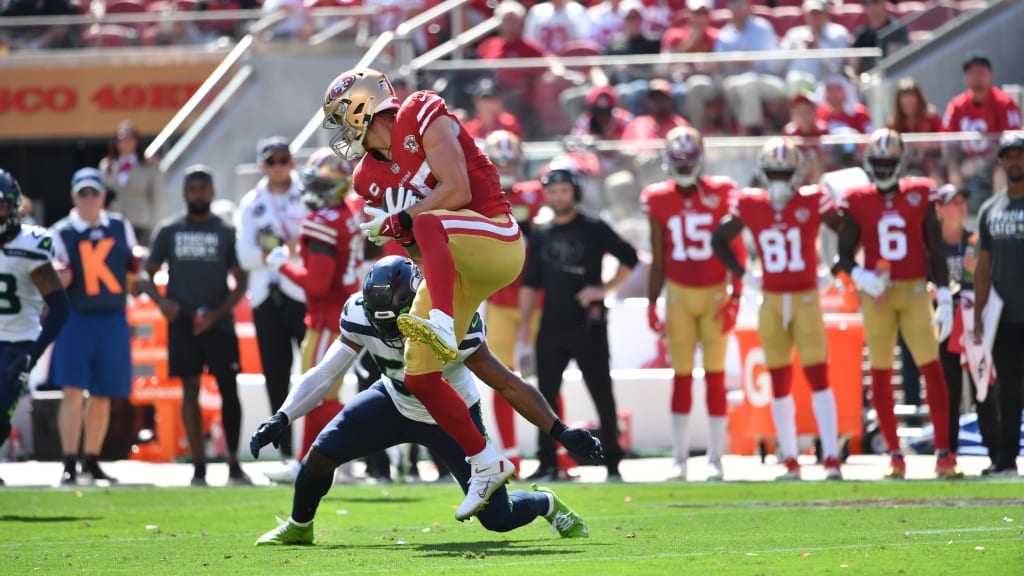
(436, 333)
(678, 472)
(715, 471)
(792, 470)
(286, 474)
(485, 479)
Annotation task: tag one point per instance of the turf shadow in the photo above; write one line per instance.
(467, 550)
(373, 499)
(44, 519)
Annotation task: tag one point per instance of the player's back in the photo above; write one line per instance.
(21, 304)
(338, 228)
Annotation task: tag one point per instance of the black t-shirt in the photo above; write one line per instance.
(199, 256)
(1001, 232)
(889, 38)
(564, 259)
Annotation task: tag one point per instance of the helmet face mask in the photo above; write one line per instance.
(683, 155)
(10, 198)
(780, 168)
(505, 151)
(325, 180)
(884, 159)
(352, 99)
(388, 292)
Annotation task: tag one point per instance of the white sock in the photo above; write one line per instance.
(488, 454)
(824, 403)
(784, 416)
(551, 504)
(716, 437)
(300, 524)
(680, 438)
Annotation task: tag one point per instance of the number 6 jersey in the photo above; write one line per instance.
(892, 225)
(21, 304)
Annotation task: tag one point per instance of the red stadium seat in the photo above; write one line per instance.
(851, 16)
(149, 35)
(904, 9)
(971, 5)
(720, 18)
(125, 7)
(786, 17)
(158, 6)
(930, 19)
(108, 36)
(185, 5)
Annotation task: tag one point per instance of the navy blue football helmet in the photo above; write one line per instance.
(10, 197)
(388, 291)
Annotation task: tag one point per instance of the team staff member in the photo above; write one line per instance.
(199, 250)
(271, 215)
(1001, 267)
(565, 261)
(93, 247)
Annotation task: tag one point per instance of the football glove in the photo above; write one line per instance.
(278, 256)
(579, 442)
(398, 199)
(727, 314)
(384, 226)
(751, 280)
(653, 320)
(944, 313)
(16, 377)
(269, 431)
(868, 282)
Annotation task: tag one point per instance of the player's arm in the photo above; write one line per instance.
(215, 315)
(655, 275)
(982, 288)
(61, 261)
(832, 220)
(58, 306)
(936, 250)
(448, 165)
(528, 402)
(725, 234)
(315, 278)
(623, 252)
(849, 238)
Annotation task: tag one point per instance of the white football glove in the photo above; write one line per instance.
(944, 313)
(752, 280)
(825, 280)
(278, 256)
(372, 228)
(398, 199)
(868, 282)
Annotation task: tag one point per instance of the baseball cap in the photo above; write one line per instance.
(1010, 140)
(977, 57)
(267, 147)
(87, 178)
(811, 5)
(198, 172)
(802, 97)
(484, 88)
(695, 5)
(948, 191)
(659, 85)
(603, 97)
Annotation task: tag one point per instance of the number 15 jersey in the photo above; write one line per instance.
(892, 225)
(786, 239)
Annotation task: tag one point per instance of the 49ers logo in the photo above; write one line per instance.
(410, 145)
(341, 86)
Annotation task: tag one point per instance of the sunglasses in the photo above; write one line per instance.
(86, 192)
(277, 160)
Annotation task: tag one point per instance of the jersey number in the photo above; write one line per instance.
(9, 301)
(355, 255)
(698, 232)
(974, 125)
(892, 240)
(781, 250)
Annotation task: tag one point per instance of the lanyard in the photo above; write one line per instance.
(277, 213)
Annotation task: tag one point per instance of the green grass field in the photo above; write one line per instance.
(925, 528)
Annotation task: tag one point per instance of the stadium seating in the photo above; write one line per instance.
(108, 36)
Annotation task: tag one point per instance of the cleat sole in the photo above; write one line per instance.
(413, 329)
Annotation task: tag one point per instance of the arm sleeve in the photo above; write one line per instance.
(59, 307)
(532, 274)
(250, 256)
(318, 380)
(616, 246)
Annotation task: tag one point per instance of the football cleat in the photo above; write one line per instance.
(436, 333)
(563, 520)
(678, 472)
(91, 473)
(715, 473)
(792, 470)
(897, 469)
(832, 469)
(484, 480)
(286, 474)
(287, 534)
(69, 477)
(238, 477)
(945, 467)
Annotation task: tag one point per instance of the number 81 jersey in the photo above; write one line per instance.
(21, 304)
(687, 222)
(786, 239)
(892, 225)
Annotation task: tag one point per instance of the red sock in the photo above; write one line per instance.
(881, 399)
(437, 263)
(938, 402)
(315, 421)
(817, 377)
(717, 405)
(448, 409)
(782, 381)
(682, 393)
(505, 418)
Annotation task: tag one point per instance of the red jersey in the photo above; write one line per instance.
(680, 39)
(408, 165)
(328, 281)
(516, 79)
(687, 222)
(817, 130)
(786, 239)
(892, 225)
(526, 199)
(836, 119)
(930, 122)
(505, 121)
(997, 113)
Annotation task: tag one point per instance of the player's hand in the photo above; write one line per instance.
(278, 256)
(752, 280)
(268, 241)
(170, 309)
(868, 282)
(944, 313)
(524, 358)
(590, 294)
(727, 314)
(398, 199)
(583, 446)
(269, 431)
(16, 376)
(653, 320)
(384, 226)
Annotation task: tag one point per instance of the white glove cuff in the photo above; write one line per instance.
(944, 296)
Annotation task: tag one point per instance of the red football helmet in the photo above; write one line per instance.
(684, 153)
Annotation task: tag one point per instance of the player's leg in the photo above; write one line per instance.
(1009, 365)
(594, 358)
(681, 327)
(185, 361)
(378, 465)
(369, 423)
(502, 325)
(714, 345)
(72, 355)
(553, 355)
(111, 378)
(222, 358)
(812, 344)
(954, 374)
(880, 328)
(777, 341)
(9, 395)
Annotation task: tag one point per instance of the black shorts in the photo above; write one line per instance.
(187, 354)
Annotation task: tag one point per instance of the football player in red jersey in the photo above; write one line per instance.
(684, 211)
(784, 220)
(505, 151)
(470, 244)
(332, 251)
(894, 220)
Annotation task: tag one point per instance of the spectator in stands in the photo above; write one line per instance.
(271, 215)
(817, 34)
(603, 118)
(135, 186)
(748, 86)
(631, 80)
(36, 37)
(516, 85)
(881, 31)
(804, 125)
(911, 112)
(226, 27)
(295, 25)
(981, 108)
(489, 115)
(660, 117)
(606, 20)
(169, 31)
(553, 25)
(199, 250)
(697, 35)
(842, 113)
(93, 251)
